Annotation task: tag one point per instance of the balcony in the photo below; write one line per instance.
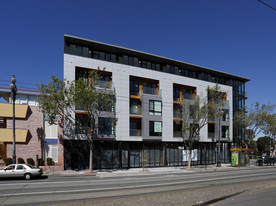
(135, 110)
(135, 132)
(189, 96)
(177, 115)
(225, 103)
(212, 119)
(211, 135)
(152, 91)
(177, 133)
(103, 84)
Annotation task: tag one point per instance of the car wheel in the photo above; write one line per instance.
(28, 176)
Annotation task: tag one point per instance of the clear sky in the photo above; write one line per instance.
(237, 36)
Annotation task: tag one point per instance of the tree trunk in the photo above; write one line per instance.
(190, 159)
(91, 159)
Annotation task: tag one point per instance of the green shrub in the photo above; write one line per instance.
(49, 161)
(40, 162)
(20, 160)
(30, 161)
(8, 161)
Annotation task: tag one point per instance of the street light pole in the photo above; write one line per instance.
(13, 94)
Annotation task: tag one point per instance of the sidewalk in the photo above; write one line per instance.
(145, 171)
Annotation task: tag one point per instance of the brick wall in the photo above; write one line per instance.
(35, 139)
(34, 144)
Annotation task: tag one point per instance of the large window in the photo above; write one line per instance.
(135, 107)
(155, 128)
(50, 130)
(225, 131)
(134, 87)
(225, 116)
(135, 127)
(105, 126)
(81, 124)
(176, 94)
(51, 151)
(155, 108)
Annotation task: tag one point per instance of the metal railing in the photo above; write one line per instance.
(135, 110)
(153, 91)
(189, 96)
(211, 135)
(135, 132)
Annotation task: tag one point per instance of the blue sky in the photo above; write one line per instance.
(237, 37)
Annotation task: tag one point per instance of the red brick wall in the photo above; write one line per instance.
(34, 143)
(35, 139)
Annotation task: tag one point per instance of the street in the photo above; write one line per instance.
(187, 188)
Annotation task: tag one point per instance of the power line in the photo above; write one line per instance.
(19, 82)
(266, 5)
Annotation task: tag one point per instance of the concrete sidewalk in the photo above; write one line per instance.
(145, 171)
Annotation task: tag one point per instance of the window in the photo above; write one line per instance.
(51, 151)
(105, 126)
(50, 130)
(10, 167)
(225, 132)
(134, 87)
(155, 128)
(155, 108)
(20, 167)
(135, 107)
(82, 124)
(176, 94)
(211, 131)
(135, 127)
(225, 116)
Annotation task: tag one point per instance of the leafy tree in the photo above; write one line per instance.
(62, 98)
(252, 121)
(270, 128)
(195, 115)
(265, 144)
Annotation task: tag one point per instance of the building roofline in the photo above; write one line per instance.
(66, 36)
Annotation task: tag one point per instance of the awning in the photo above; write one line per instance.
(7, 111)
(6, 135)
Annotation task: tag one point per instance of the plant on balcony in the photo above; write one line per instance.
(60, 98)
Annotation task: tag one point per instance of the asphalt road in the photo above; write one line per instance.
(197, 188)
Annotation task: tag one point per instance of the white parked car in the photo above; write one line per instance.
(20, 170)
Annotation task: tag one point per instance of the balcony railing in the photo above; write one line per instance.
(177, 115)
(104, 84)
(189, 96)
(177, 133)
(212, 119)
(211, 135)
(135, 132)
(226, 103)
(153, 91)
(135, 110)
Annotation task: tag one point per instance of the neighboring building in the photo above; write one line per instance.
(35, 138)
(149, 90)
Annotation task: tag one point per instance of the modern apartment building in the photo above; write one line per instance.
(148, 91)
(34, 136)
